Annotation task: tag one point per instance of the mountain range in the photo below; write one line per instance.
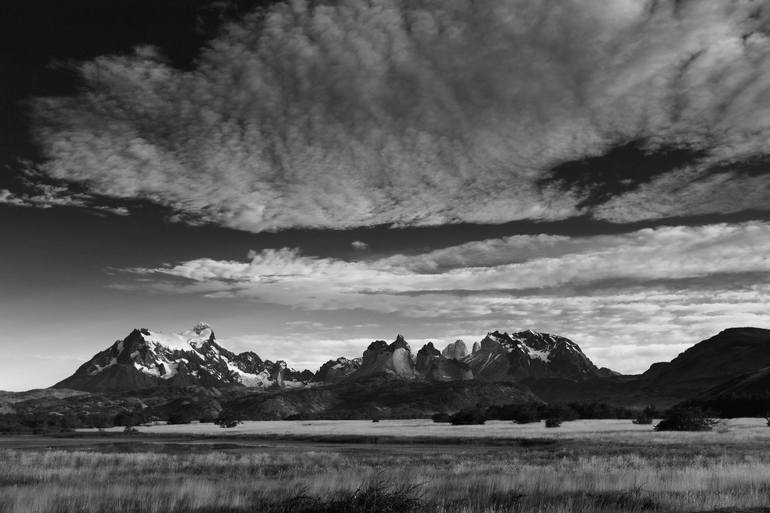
(147, 359)
(191, 372)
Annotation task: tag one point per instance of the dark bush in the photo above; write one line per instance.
(642, 419)
(686, 419)
(129, 418)
(227, 420)
(467, 417)
(553, 422)
(646, 416)
(180, 418)
(441, 418)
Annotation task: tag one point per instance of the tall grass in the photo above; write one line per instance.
(356, 480)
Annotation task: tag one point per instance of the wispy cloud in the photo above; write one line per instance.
(424, 112)
(48, 196)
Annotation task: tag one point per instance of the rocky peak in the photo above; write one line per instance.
(337, 370)
(455, 351)
(400, 342)
(377, 346)
(425, 357)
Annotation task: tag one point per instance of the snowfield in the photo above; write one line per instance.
(597, 430)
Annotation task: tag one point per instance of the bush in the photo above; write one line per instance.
(441, 418)
(686, 419)
(129, 418)
(467, 417)
(553, 422)
(646, 416)
(180, 418)
(227, 420)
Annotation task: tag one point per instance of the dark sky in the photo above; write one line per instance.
(309, 177)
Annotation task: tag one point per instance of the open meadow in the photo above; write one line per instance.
(584, 466)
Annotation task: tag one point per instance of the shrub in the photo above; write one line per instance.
(180, 418)
(227, 420)
(553, 422)
(129, 418)
(441, 418)
(467, 417)
(646, 416)
(685, 419)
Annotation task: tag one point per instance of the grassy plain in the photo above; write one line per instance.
(590, 466)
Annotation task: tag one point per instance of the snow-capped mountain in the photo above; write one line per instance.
(528, 354)
(148, 358)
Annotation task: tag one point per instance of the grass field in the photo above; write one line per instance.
(585, 466)
(611, 429)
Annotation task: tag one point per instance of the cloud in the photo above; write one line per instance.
(517, 263)
(359, 245)
(423, 112)
(654, 286)
(48, 196)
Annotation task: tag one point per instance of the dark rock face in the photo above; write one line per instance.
(426, 357)
(434, 366)
(145, 359)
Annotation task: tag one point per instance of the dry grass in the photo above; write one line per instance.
(675, 472)
(621, 430)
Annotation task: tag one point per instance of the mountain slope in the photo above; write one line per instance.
(385, 398)
(732, 353)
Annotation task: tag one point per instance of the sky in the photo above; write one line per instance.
(310, 176)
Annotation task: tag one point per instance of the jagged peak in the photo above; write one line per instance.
(377, 345)
(429, 348)
(202, 326)
(400, 342)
